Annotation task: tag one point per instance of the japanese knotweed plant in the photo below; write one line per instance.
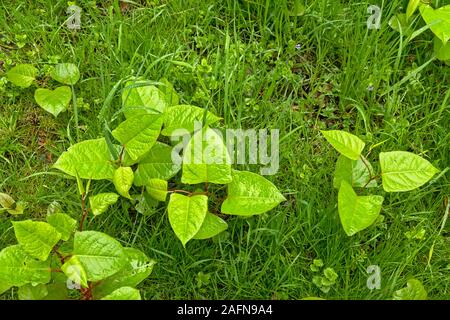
(400, 171)
(438, 20)
(141, 167)
(53, 101)
(54, 261)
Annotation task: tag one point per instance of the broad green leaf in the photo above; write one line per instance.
(36, 238)
(53, 101)
(184, 117)
(439, 19)
(66, 73)
(250, 194)
(75, 272)
(123, 180)
(63, 223)
(357, 212)
(346, 143)
(139, 98)
(100, 202)
(17, 268)
(206, 159)
(157, 164)
(30, 292)
(211, 226)
(22, 75)
(100, 255)
(157, 188)
(412, 7)
(354, 172)
(186, 215)
(138, 134)
(170, 95)
(4, 286)
(404, 171)
(137, 269)
(442, 51)
(124, 293)
(414, 290)
(90, 159)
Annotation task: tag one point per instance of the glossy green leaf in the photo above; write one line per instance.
(170, 95)
(184, 117)
(157, 164)
(17, 268)
(90, 159)
(250, 194)
(4, 286)
(211, 226)
(63, 223)
(36, 238)
(441, 51)
(414, 290)
(354, 172)
(186, 215)
(439, 19)
(66, 73)
(53, 101)
(139, 98)
(100, 202)
(412, 7)
(30, 292)
(124, 293)
(157, 188)
(206, 159)
(138, 134)
(123, 180)
(100, 255)
(404, 171)
(346, 143)
(137, 269)
(75, 272)
(22, 75)
(357, 212)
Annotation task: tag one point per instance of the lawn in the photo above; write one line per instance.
(258, 65)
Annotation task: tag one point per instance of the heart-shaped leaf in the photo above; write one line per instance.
(66, 73)
(55, 101)
(22, 75)
(186, 215)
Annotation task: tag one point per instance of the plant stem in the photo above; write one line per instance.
(85, 212)
(75, 112)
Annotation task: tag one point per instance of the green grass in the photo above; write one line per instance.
(238, 59)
